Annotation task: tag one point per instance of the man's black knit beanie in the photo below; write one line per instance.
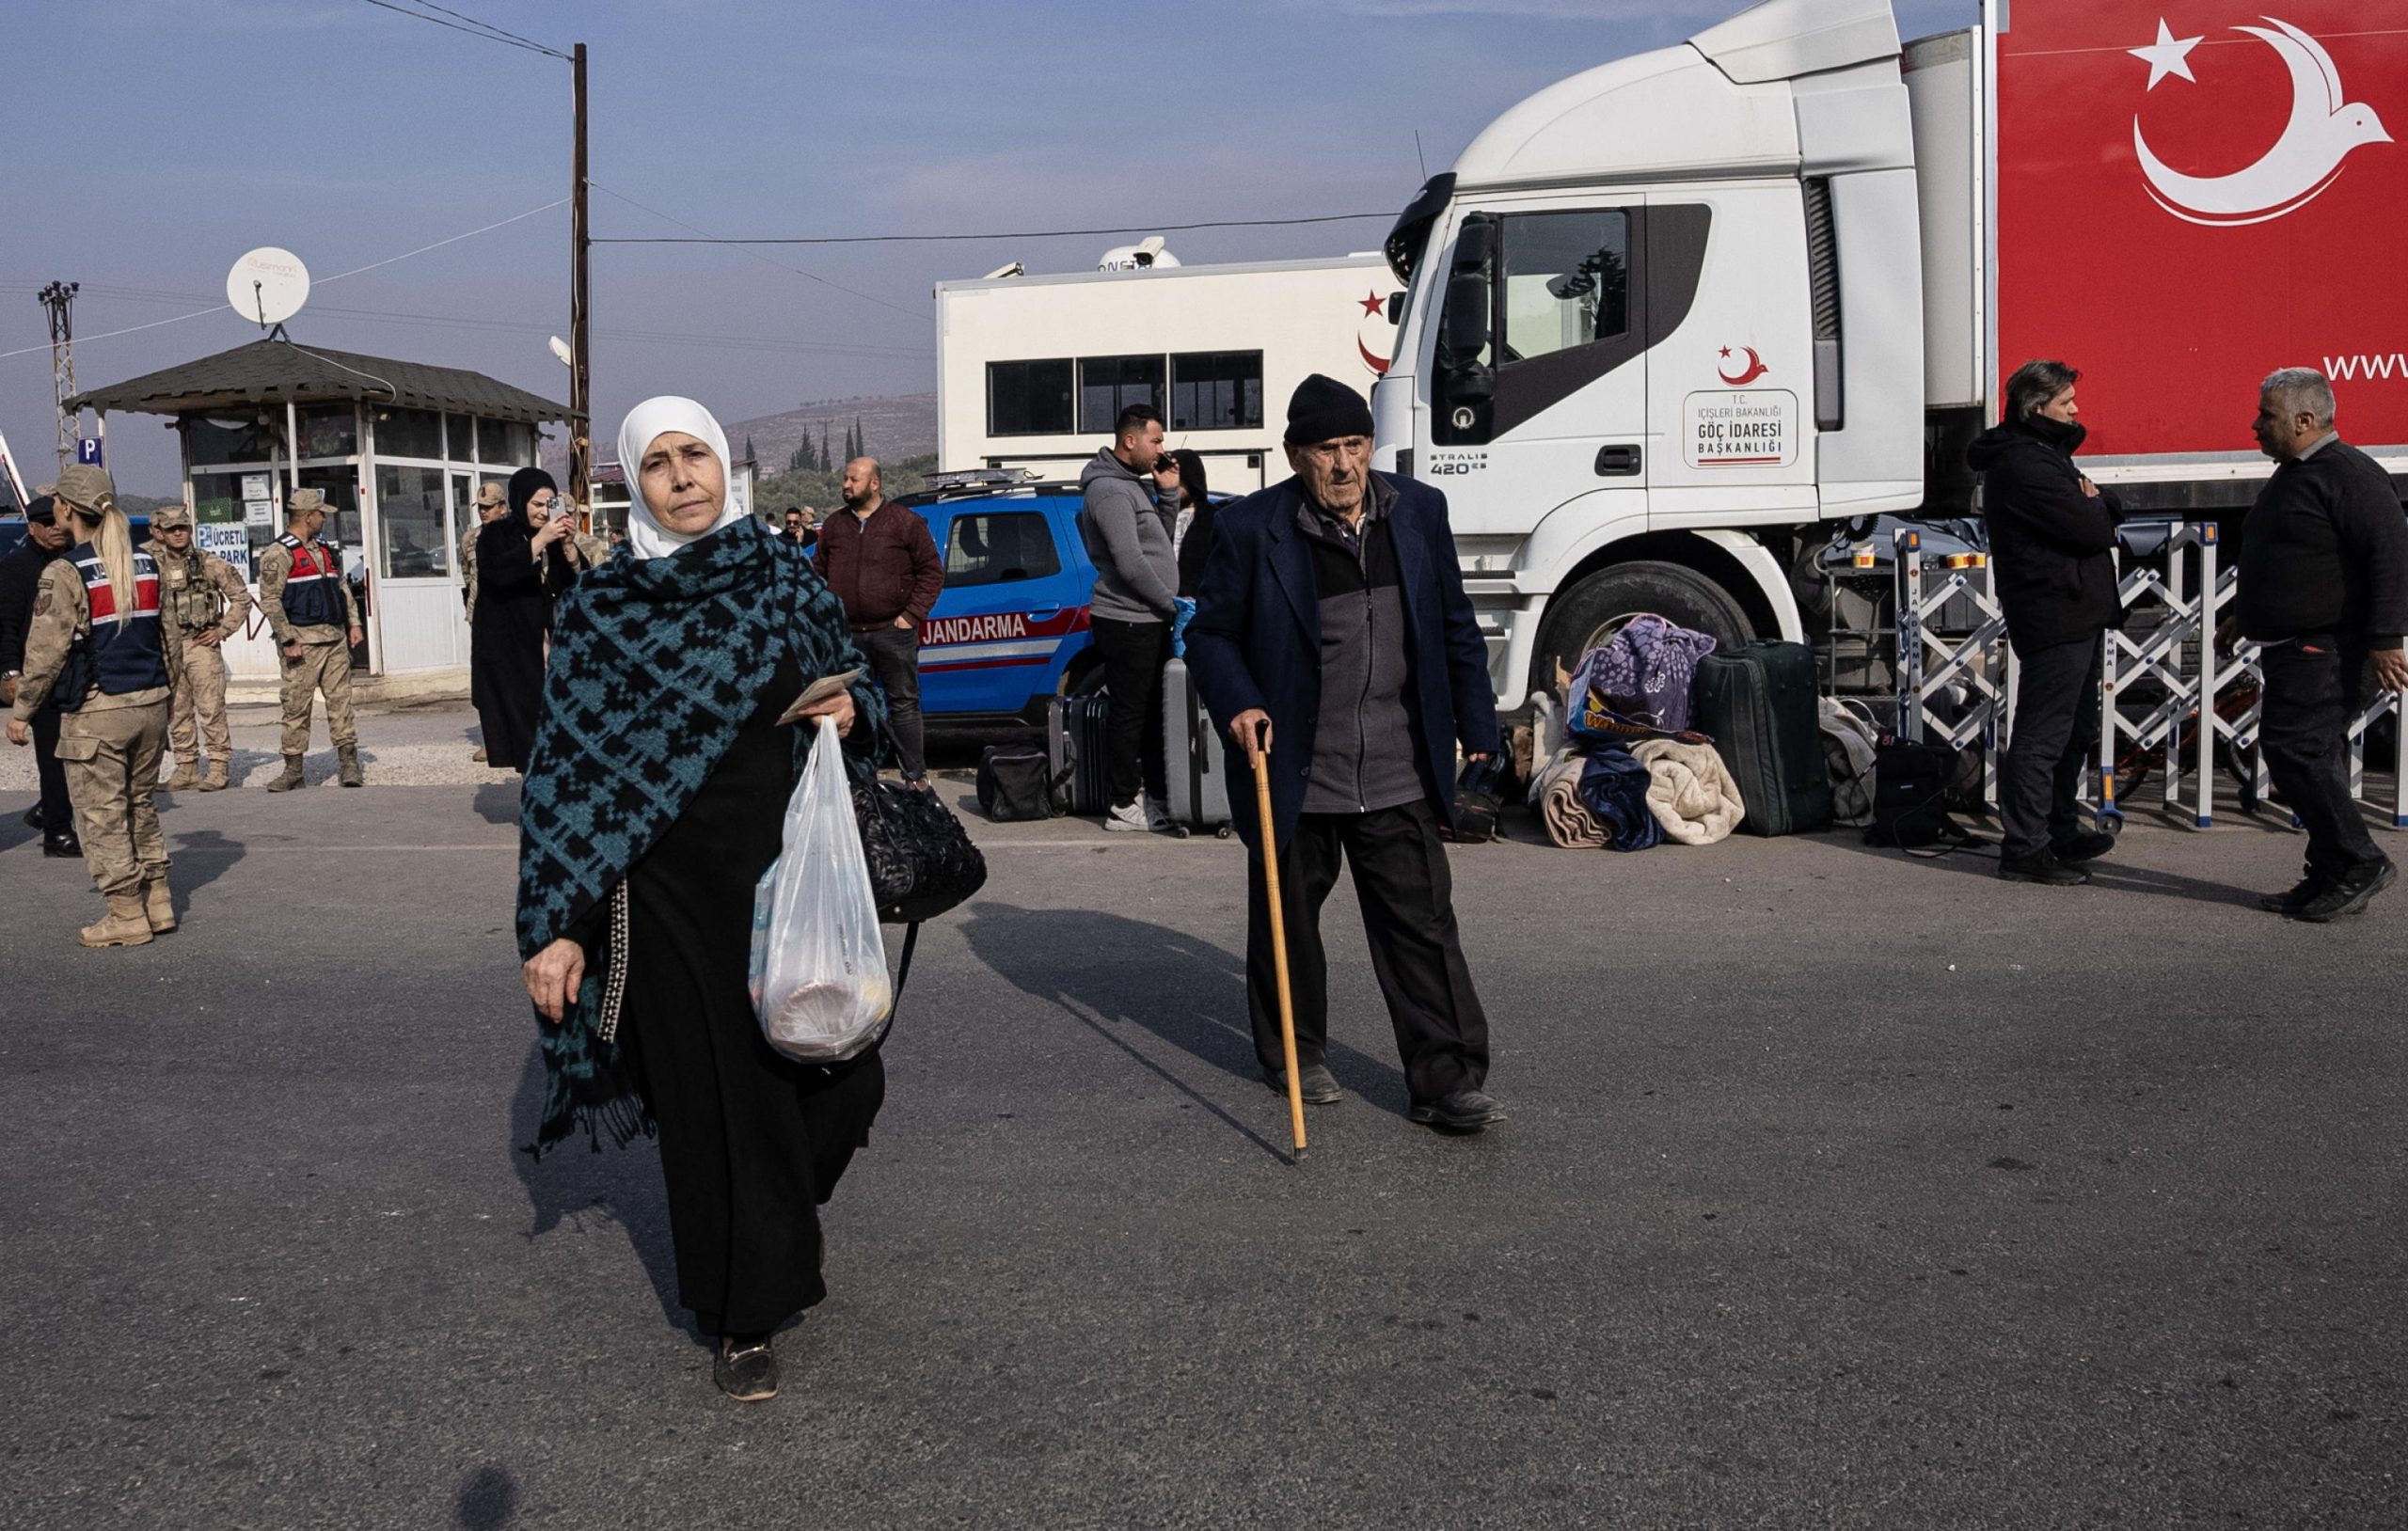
(1324, 409)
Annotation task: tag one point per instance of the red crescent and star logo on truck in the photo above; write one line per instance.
(1372, 324)
(1752, 368)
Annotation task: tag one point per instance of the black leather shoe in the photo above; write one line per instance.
(33, 817)
(62, 843)
(1317, 1083)
(2083, 847)
(2347, 894)
(2295, 899)
(2043, 868)
(746, 1368)
(1464, 1111)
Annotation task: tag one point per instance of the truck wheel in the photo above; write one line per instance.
(1591, 611)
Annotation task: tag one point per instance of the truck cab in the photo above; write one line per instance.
(1659, 316)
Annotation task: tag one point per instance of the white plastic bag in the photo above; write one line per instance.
(818, 972)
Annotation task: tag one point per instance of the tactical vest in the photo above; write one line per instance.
(121, 657)
(195, 603)
(313, 590)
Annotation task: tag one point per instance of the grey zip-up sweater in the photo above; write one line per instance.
(1136, 568)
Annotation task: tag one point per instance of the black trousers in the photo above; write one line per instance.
(893, 656)
(1407, 895)
(2312, 692)
(57, 813)
(1134, 653)
(2056, 724)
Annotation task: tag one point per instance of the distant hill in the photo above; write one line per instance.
(901, 426)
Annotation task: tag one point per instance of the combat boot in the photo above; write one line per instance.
(292, 777)
(158, 905)
(349, 775)
(123, 926)
(214, 780)
(186, 777)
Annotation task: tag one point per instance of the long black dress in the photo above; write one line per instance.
(506, 642)
(751, 1142)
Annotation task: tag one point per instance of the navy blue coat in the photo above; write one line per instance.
(1255, 641)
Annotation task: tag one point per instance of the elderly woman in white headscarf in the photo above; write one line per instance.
(653, 803)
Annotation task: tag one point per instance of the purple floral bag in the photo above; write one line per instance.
(1641, 675)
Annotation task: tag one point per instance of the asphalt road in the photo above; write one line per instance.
(1840, 1190)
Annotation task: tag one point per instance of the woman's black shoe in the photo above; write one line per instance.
(2043, 868)
(746, 1368)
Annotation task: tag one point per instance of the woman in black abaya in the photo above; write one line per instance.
(523, 564)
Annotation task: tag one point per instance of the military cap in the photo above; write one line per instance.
(40, 510)
(306, 500)
(84, 486)
(167, 518)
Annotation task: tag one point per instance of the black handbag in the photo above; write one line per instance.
(1478, 794)
(921, 859)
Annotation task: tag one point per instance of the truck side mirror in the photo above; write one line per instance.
(1396, 307)
(1466, 328)
(1475, 243)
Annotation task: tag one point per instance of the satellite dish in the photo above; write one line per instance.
(268, 286)
(560, 348)
(1146, 255)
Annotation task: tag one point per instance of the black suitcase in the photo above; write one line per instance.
(1759, 704)
(1074, 743)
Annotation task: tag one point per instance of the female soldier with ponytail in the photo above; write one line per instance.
(97, 640)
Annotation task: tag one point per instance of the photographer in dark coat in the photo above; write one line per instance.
(2052, 541)
(1332, 627)
(2324, 595)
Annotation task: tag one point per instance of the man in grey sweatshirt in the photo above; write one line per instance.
(1136, 591)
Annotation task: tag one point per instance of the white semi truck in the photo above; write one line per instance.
(1668, 320)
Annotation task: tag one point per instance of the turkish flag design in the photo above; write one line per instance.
(2194, 193)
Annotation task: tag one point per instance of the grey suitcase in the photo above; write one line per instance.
(1195, 770)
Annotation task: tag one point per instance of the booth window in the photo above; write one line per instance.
(993, 547)
(1028, 397)
(329, 431)
(460, 438)
(1215, 390)
(505, 444)
(409, 432)
(410, 506)
(1108, 385)
(228, 439)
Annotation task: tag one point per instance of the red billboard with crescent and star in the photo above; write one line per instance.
(2194, 192)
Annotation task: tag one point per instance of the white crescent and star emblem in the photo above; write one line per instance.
(2325, 125)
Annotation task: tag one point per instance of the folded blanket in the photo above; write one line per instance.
(1690, 791)
(1569, 823)
(1614, 785)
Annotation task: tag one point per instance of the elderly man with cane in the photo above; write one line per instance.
(1334, 646)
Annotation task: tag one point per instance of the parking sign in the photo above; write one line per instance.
(88, 452)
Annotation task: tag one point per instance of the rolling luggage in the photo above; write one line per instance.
(1074, 743)
(1760, 706)
(1194, 768)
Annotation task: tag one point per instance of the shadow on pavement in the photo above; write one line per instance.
(498, 804)
(2105, 874)
(1185, 991)
(212, 856)
(488, 1500)
(575, 1185)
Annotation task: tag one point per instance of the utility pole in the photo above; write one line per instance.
(580, 378)
(59, 299)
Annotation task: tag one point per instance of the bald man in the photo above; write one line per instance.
(881, 563)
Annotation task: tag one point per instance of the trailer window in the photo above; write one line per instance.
(1028, 397)
(1567, 280)
(1216, 390)
(990, 547)
(1108, 385)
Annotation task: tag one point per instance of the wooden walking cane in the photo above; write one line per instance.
(1279, 947)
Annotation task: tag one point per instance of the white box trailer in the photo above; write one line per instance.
(1030, 369)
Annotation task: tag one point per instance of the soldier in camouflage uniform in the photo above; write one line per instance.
(97, 639)
(493, 503)
(310, 608)
(202, 598)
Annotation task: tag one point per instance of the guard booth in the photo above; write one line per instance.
(397, 447)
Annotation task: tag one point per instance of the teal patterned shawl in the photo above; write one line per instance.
(655, 664)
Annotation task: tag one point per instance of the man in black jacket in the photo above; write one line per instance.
(20, 582)
(2052, 541)
(2324, 591)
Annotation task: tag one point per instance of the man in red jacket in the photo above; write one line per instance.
(883, 565)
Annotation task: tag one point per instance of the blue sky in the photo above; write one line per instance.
(171, 136)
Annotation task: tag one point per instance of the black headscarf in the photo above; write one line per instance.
(523, 487)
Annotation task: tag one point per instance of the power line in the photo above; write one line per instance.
(920, 317)
(1045, 233)
(491, 34)
(511, 37)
